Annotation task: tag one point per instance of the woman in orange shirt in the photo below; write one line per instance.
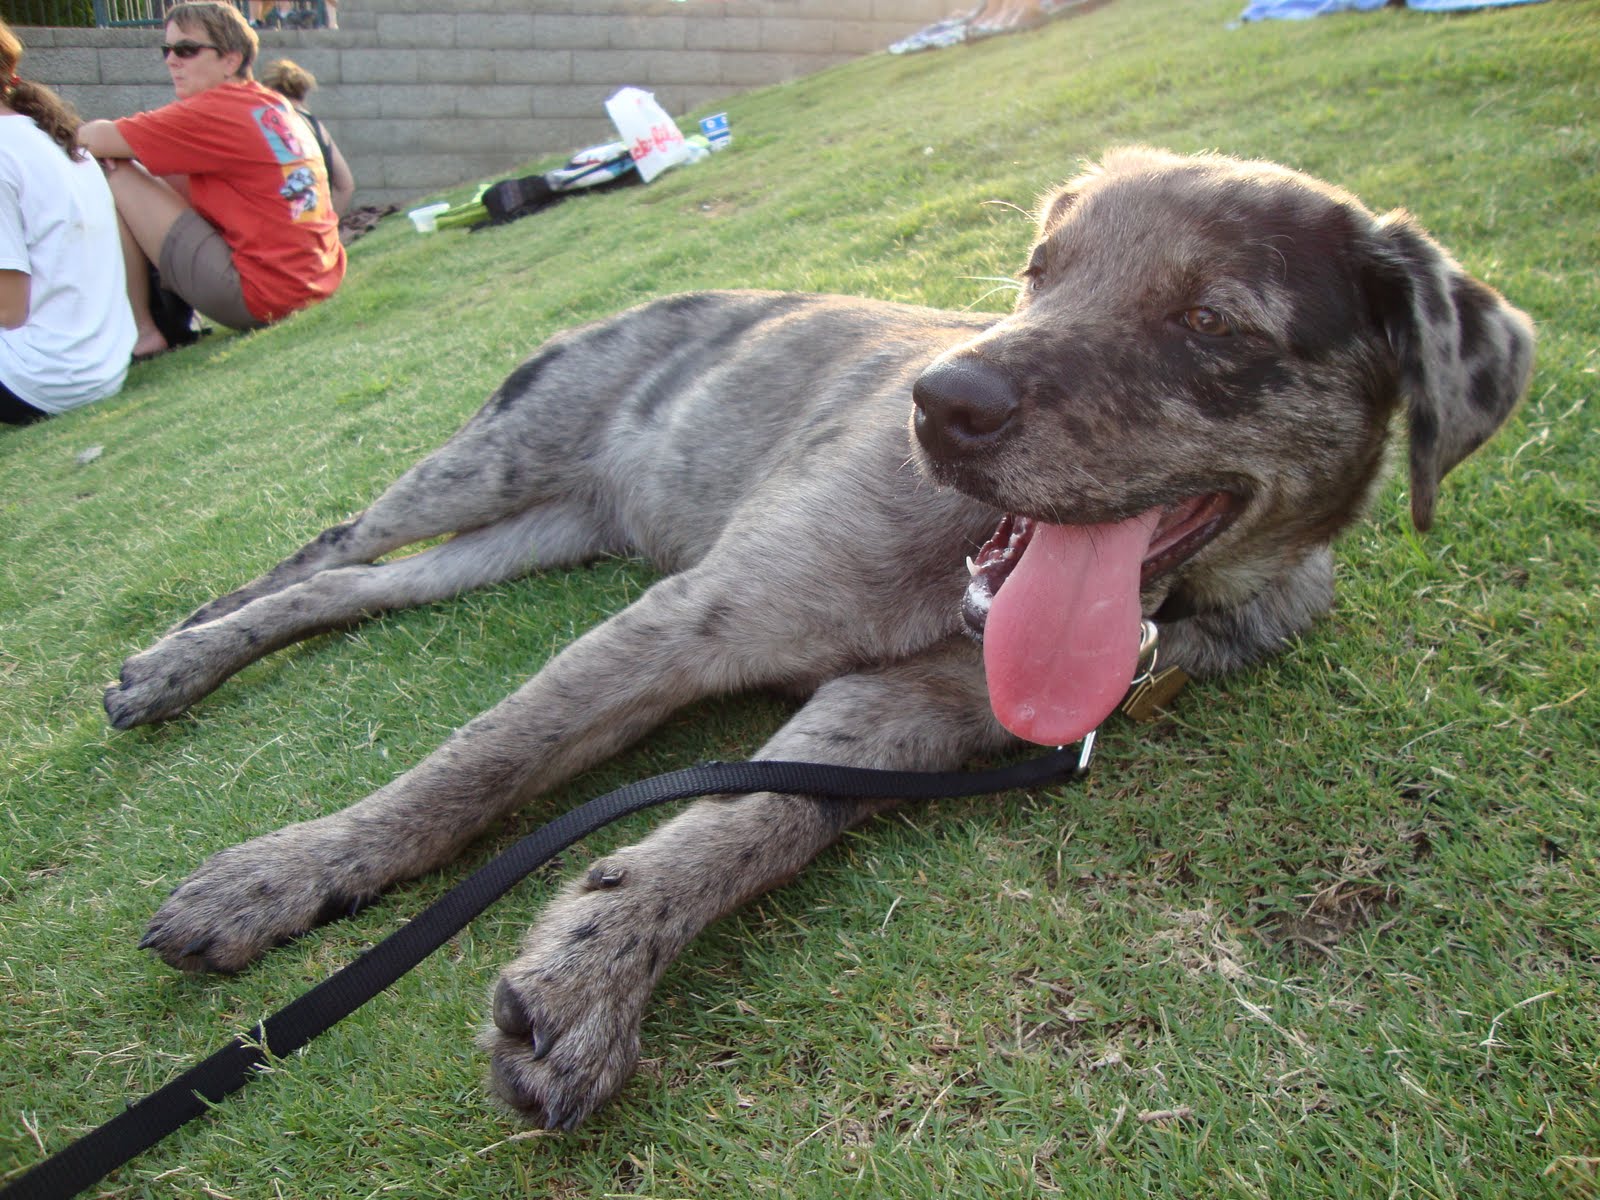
(229, 197)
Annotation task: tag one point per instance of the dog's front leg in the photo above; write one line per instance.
(566, 1012)
(601, 693)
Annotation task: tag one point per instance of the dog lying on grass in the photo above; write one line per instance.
(1191, 398)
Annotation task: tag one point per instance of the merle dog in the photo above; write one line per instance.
(1190, 399)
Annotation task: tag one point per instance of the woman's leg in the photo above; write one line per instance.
(192, 256)
(147, 209)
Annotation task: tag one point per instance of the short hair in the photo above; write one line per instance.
(223, 25)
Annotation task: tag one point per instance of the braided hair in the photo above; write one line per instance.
(46, 109)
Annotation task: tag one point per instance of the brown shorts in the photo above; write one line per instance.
(197, 264)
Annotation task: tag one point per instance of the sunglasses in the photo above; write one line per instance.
(184, 50)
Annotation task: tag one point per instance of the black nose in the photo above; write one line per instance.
(963, 405)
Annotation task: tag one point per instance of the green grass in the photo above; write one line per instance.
(1339, 914)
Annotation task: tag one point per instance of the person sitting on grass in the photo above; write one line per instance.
(65, 328)
(229, 197)
(294, 81)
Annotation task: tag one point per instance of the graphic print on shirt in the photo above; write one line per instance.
(299, 180)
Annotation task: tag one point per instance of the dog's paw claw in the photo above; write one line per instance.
(172, 938)
(192, 955)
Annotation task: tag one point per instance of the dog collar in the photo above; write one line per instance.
(1150, 690)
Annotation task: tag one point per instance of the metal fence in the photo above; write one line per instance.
(121, 14)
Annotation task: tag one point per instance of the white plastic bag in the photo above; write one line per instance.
(653, 138)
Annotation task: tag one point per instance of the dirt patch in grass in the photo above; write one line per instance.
(1330, 916)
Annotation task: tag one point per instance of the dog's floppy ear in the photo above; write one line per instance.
(1465, 355)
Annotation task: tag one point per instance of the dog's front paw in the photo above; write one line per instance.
(244, 900)
(565, 1036)
(553, 1064)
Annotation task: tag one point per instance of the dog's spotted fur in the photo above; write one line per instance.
(1186, 325)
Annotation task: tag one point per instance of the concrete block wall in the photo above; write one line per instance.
(426, 94)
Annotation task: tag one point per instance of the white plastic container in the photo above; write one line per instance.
(425, 218)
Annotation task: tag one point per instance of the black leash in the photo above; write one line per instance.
(146, 1122)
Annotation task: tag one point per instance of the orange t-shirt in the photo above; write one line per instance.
(256, 174)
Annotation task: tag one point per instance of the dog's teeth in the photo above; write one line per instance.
(972, 567)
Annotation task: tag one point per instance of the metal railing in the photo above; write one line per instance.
(112, 14)
(124, 14)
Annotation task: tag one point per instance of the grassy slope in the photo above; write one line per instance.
(1342, 910)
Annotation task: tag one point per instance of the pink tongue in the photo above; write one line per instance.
(1062, 638)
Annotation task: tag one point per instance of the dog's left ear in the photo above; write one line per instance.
(1465, 355)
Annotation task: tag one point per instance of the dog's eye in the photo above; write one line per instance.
(1206, 321)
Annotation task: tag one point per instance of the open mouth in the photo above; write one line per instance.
(1181, 531)
(1057, 608)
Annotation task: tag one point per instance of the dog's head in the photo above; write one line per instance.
(1193, 394)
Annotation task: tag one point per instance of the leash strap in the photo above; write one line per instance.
(146, 1122)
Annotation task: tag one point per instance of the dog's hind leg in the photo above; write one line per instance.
(194, 659)
(483, 475)
(566, 1012)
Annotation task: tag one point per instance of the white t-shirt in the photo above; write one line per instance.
(58, 223)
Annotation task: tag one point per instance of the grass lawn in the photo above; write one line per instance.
(1329, 930)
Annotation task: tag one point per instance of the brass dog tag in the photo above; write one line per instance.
(1147, 698)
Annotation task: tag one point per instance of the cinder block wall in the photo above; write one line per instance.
(425, 94)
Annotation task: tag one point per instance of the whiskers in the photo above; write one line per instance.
(1002, 283)
(1007, 204)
